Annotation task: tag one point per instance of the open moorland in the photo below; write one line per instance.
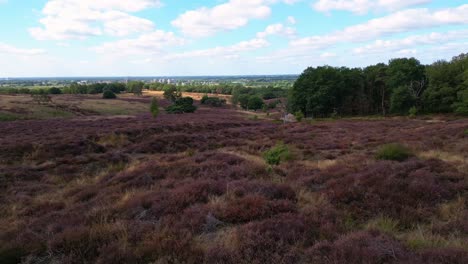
(101, 181)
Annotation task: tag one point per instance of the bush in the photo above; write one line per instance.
(154, 108)
(413, 111)
(299, 116)
(255, 103)
(394, 151)
(212, 101)
(278, 153)
(55, 90)
(108, 95)
(182, 105)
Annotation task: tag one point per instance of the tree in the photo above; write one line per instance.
(376, 86)
(244, 101)
(235, 96)
(255, 103)
(154, 108)
(171, 93)
(402, 100)
(135, 87)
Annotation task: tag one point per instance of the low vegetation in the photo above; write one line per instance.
(277, 154)
(182, 105)
(85, 191)
(393, 151)
(212, 101)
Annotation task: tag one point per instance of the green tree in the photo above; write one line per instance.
(244, 101)
(255, 103)
(135, 87)
(171, 93)
(401, 101)
(154, 108)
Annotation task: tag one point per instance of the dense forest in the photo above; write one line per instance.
(403, 86)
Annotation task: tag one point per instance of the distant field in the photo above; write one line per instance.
(19, 107)
(101, 181)
(196, 96)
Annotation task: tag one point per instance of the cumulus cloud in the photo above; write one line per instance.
(227, 52)
(234, 14)
(12, 50)
(402, 21)
(79, 19)
(412, 42)
(147, 44)
(364, 6)
(277, 29)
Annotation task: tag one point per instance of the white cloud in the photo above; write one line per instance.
(227, 52)
(146, 44)
(277, 29)
(11, 50)
(228, 16)
(292, 20)
(363, 6)
(79, 19)
(411, 42)
(403, 21)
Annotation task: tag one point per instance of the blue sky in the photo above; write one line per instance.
(222, 37)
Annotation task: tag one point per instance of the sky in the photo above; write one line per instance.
(57, 38)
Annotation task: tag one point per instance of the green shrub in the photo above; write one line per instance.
(277, 154)
(8, 117)
(212, 101)
(108, 94)
(55, 90)
(413, 111)
(181, 106)
(154, 108)
(299, 116)
(393, 151)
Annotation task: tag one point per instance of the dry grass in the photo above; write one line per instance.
(423, 238)
(445, 156)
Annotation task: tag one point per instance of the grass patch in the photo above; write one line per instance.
(384, 224)
(423, 238)
(277, 154)
(393, 151)
(8, 117)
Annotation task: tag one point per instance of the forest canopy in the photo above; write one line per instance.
(395, 88)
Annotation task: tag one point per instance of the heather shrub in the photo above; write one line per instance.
(442, 256)
(274, 240)
(277, 154)
(408, 191)
(393, 151)
(108, 94)
(11, 254)
(252, 207)
(359, 247)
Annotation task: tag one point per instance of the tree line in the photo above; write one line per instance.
(403, 86)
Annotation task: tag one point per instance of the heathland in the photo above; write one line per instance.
(89, 180)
